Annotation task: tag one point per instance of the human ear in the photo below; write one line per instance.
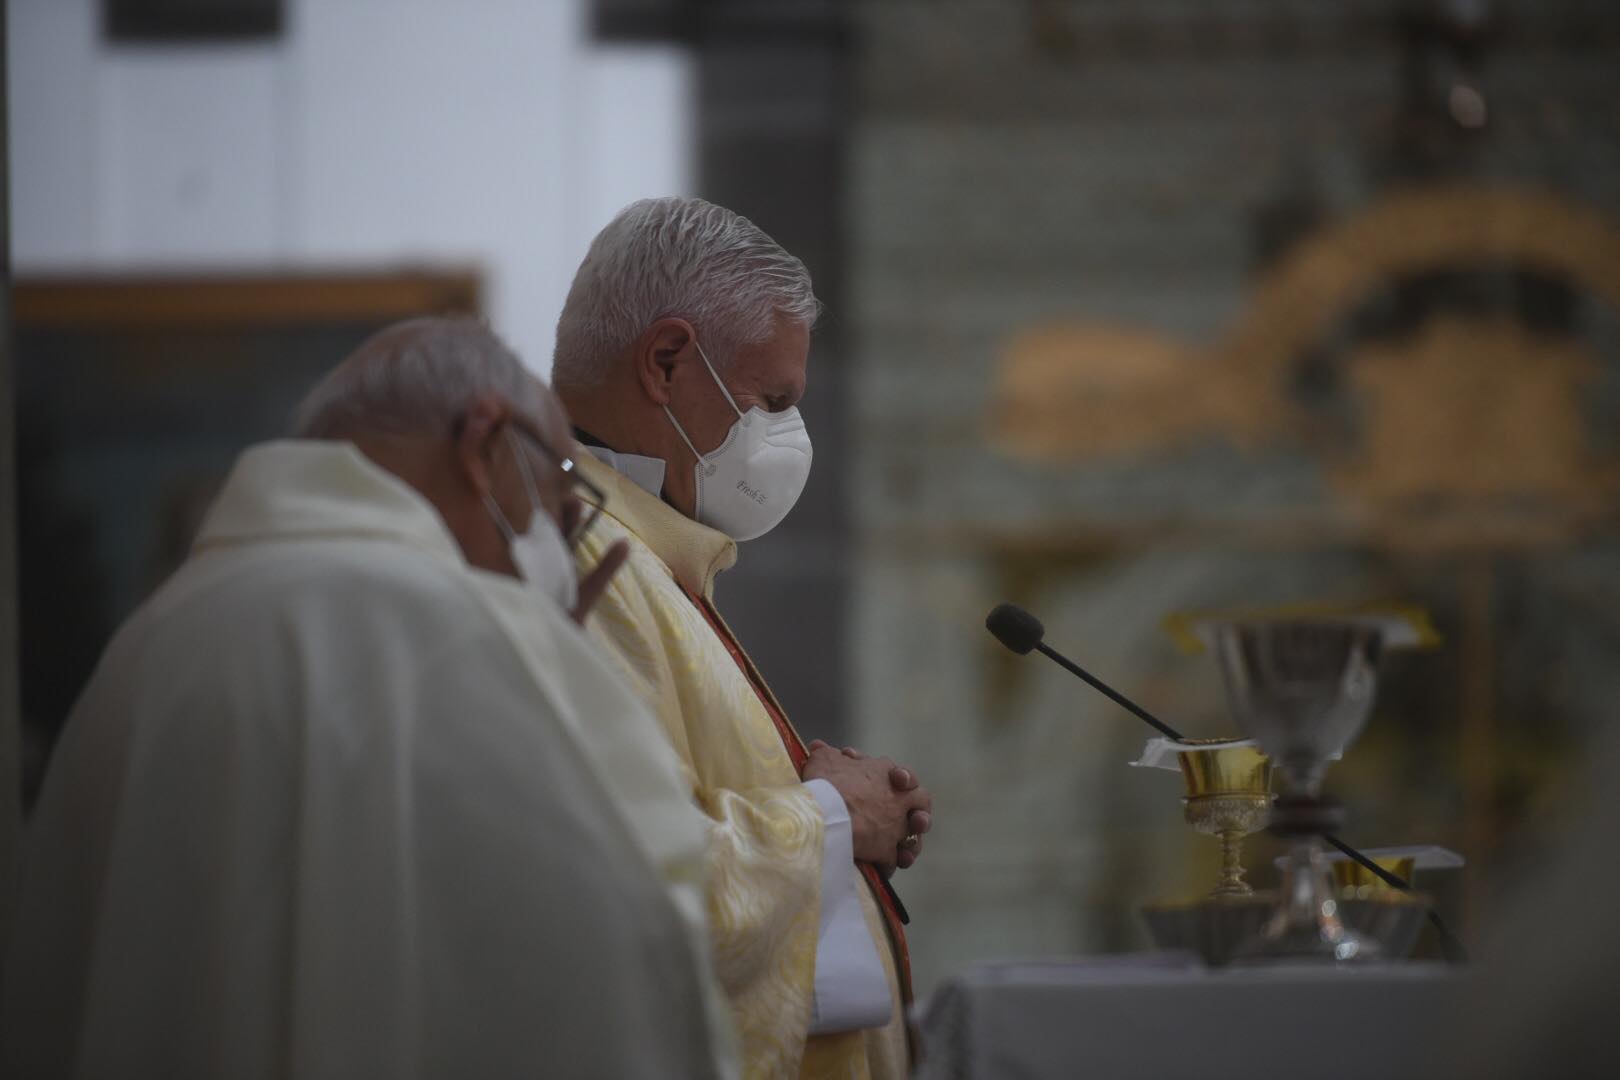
(476, 438)
(660, 352)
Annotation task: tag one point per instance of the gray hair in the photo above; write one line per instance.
(682, 258)
(415, 377)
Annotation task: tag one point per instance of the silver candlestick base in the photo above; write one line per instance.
(1307, 923)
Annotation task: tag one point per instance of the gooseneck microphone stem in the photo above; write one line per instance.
(1107, 691)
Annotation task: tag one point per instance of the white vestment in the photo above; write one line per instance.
(336, 804)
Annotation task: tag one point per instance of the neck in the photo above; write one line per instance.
(429, 469)
(590, 411)
(626, 422)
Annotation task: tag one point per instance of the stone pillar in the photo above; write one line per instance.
(771, 123)
(10, 741)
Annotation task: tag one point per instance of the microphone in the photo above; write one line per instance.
(1015, 628)
(1022, 633)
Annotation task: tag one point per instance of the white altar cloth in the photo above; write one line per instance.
(1159, 1016)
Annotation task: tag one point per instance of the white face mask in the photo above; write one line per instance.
(540, 554)
(752, 479)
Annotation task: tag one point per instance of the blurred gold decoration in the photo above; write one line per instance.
(1328, 274)
(1473, 436)
(1404, 626)
(1471, 431)
(1078, 390)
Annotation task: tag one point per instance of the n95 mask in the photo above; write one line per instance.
(540, 554)
(747, 485)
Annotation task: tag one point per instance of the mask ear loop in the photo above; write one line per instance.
(682, 433)
(500, 519)
(530, 492)
(729, 401)
(531, 489)
(716, 376)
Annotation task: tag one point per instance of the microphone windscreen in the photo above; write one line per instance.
(1015, 628)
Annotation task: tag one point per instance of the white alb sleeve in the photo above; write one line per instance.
(852, 990)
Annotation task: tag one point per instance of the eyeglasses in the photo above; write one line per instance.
(588, 494)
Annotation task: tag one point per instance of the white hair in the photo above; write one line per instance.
(415, 377)
(682, 258)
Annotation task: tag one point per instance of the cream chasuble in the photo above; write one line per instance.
(335, 804)
(766, 834)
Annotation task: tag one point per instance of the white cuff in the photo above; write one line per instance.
(852, 990)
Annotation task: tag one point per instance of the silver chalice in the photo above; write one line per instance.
(1302, 688)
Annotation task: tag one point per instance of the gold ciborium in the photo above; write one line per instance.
(1229, 797)
(1350, 877)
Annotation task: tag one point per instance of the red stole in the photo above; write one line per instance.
(799, 755)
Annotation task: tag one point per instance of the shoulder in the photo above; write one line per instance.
(344, 578)
(639, 619)
(643, 585)
(304, 612)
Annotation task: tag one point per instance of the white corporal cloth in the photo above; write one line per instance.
(335, 804)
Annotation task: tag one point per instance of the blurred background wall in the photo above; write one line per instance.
(494, 134)
(1163, 306)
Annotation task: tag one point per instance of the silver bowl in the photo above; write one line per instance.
(1393, 919)
(1215, 927)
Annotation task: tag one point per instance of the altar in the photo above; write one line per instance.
(1157, 1016)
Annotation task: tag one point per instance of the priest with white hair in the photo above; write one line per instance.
(681, 355)
(352, 795)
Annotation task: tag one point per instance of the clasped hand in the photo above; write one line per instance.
(889, 811)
